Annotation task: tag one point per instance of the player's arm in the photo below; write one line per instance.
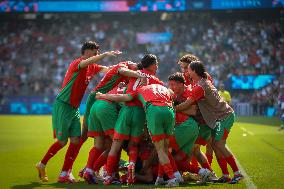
(104, 69)
(196, 94)
(130, 73)
(115, 97)
(185, 105)
(191, 111)
(94, 59)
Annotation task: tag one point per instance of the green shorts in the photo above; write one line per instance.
(222, 129)
(130, 123)
(204, 134)
(160, 121)
(65, 121)
(102, 118)
(89, 103)
(184, 137)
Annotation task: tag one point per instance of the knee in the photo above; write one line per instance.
(75, 140)
(217, 145)
(63, 143)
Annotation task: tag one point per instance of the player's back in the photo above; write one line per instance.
(156, 94)
(135, 83)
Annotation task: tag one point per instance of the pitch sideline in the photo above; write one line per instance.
(249, 183)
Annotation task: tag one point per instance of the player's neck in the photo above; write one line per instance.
(195, 79)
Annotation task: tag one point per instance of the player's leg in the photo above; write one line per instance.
(74, 132)
(209, 151)
(107, 115)
(160, 123)
(221, 132)
(137, 126)
(95, 131)
(112, 160)
(59, 126)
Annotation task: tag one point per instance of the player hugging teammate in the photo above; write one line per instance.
(160, 128)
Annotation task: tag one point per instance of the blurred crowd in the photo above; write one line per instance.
(35, 53)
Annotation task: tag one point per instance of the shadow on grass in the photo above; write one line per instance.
(83, 185)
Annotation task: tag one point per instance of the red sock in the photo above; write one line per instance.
(232, 162)
(77, 151)
(193, 168)
(182, 165)
(111, 164)
(100, 162)
(117, 161)
(160, 171)
(194, 162)
(168, 170)
(210, 158)
(94, 154)
(53, 149)
(69, 156)
(132, 153)
(223, 165)
(206, 165)
(173, 162)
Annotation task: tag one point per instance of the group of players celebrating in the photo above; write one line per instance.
(160, 128)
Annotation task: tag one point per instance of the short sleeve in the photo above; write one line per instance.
(197, 93)
(95, 68)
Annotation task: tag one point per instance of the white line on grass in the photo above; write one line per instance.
(249, 183)
(245, 130)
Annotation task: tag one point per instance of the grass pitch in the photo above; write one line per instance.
(255, 141)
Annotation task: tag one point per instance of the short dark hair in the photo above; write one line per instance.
(199, 68)
(177, 77)
(189, 58)
(139, 66)
(148, 60)
(91, 45)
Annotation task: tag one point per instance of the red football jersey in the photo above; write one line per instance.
(134, 84)
(111, 79)
(76, 81)
(182, 117)
(156, 94)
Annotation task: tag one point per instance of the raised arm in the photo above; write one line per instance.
(94, 59)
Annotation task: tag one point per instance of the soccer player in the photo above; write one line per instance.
(157, 102)
(131, 120)
(65, 113)
(204, 130)
(218, 115)
(103, 116)
(225, 94)
(112, 78)
(186, 130)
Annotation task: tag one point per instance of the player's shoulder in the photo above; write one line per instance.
(77, 60)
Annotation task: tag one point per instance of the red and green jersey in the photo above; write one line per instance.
(76, 81)
(134, 84)
(155, 94)
(111, 79)
(188, 80)
(182, 117)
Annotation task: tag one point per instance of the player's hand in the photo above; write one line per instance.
(99, 95)
(143, 81)
(113, 53)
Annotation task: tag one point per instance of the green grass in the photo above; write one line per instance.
(256, 142)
